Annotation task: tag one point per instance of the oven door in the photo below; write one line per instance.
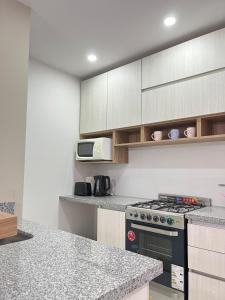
(162, 243)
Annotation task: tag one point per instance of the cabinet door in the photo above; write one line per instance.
(205, 288)
(93, 104)
(197, 96)
(206, 237)
(124, 96)
(111, 228)
(208, 262)
(197, 56)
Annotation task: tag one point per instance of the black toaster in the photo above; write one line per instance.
(82, 189)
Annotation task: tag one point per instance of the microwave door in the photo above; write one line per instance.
(85, 150)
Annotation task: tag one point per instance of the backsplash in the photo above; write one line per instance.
(194, 169)
(8, 207)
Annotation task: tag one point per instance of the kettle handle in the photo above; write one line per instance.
(108, 185)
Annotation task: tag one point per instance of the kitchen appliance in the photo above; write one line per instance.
(90, 179)
(158, 229)
(102, 185)
(94, 149)
(82, 189)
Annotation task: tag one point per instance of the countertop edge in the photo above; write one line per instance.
(114, 202)
(214, 215)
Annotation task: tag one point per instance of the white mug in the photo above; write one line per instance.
(190, 132)
(156, 135)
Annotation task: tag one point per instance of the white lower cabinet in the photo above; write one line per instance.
(205, 288)
(111, 227)
(160, 292)
(139, 294)
(206, 262)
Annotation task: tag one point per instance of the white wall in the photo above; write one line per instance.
(194, 169)
(52, 130)
(14, 58)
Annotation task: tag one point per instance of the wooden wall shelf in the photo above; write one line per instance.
(209, 128)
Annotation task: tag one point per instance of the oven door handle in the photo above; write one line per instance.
(154, 230)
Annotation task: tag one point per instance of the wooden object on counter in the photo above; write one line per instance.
(8, 225)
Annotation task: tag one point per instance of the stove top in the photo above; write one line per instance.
(168, 206)
(168, 210)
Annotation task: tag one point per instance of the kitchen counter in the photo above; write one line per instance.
(118, 203)
(58, 265)
(208, 215)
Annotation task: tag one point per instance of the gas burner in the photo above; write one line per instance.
(168, 210)
(169, 205)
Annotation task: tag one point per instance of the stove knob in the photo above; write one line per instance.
(162, 219)
(136, 215)
(156, 218)
(142, 216)
(149, 217)
(170, 221)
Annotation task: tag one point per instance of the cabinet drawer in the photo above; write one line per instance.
(209, 262)
(206, 237)
(205, 288)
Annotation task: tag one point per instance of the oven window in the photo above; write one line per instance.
(85, 149)
(157, 247)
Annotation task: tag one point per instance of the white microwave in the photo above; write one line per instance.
(94, 149)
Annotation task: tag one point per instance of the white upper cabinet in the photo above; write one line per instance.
(124, 96)
(193, 97)
(197, 56)
(93, 104)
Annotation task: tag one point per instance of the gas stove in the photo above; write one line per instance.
(167, 210)
(158, 229)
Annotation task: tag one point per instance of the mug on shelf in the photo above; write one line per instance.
(156, 135)
(174, 134)
(190, 132)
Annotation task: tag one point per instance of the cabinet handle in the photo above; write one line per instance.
(154, 230)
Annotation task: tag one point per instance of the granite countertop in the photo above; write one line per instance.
(209, 215)
(60, 265)
(108, 202)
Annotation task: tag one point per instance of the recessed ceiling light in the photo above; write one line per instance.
(169, 21)
(92, 57)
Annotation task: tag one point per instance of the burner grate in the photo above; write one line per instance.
(168, 206)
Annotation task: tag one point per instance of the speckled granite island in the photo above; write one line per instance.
(59, 265)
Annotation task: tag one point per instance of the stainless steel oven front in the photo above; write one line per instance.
(163, 243)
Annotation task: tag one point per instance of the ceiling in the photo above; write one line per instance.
(64, 32)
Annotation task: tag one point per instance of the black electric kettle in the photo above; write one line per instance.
(102, 185)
